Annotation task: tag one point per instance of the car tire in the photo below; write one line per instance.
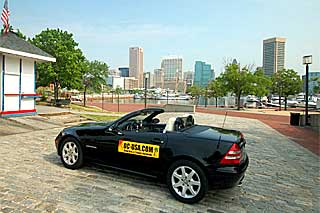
(187, 182)
(71, 153)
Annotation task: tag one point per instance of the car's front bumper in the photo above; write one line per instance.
(57, 142)
(226, 177)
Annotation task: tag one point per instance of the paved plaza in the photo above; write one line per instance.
(282, 177)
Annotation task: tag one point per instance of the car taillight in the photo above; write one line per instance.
(233, 156)
(241, 135)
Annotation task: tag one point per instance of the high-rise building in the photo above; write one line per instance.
(313, 81)
(172, 68)
(114, 72)
(188, 78)
(124, 71)
(130, 83)
(136, 64)
(273, 55)
(158, 76)
(203, 74)
(173, 73)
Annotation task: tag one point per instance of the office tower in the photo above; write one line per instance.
(313, 82)
(158, 78)
(203, 74)
(124, 71)
(273, 55)
(173, 73)
(188, 78)
(136, 64)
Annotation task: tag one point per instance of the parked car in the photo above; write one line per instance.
(191, 158)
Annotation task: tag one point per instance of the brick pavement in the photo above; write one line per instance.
(282, 177)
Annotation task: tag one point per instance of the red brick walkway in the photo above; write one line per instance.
(303, 136)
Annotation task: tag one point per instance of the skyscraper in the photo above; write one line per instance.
(203, 74)
(273, 55)
(136, 64)
(188, 78)
(172, 68)
(158, 78)
(173, 74)
(124, 71)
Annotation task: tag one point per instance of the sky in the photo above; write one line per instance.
(209, 30)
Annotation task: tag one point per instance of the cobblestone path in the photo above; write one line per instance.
(282, 177)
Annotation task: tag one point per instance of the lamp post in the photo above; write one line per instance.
(102, 98)
(119, 101)
(112, 96)
(145, 89)
(307, 60)
(167, 95)
(206, 97)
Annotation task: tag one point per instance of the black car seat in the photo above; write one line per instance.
(189, 121)
(178, 124)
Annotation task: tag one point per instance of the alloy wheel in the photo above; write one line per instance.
(185, 182)
(70, 153)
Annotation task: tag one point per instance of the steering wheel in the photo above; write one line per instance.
(132, 126)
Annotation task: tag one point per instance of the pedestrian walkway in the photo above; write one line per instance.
(47, 110)
(282, 177)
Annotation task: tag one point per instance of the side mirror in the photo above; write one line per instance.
(114, 130)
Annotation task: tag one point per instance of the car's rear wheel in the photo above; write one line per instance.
(71, 153)
(187, 182)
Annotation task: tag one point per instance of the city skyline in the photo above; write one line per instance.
(214, 35)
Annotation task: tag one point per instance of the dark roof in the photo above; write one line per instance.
(11, 41)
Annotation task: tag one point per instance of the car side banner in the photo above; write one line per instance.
(135, 148)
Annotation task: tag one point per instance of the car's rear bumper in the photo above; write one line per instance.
(226, 177)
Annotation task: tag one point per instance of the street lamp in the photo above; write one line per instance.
(145, 89)
(167, 95)
(307, 60)
(102, 97)
(206, 97)
(112, 91)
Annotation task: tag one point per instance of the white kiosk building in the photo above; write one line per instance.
(18, 75)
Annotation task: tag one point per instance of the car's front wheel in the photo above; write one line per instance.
(71, 153)
(187, 182)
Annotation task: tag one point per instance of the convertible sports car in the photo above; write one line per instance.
(191, 158)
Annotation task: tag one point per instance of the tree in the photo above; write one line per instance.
(68, 69)
(217, 89)
(17, 32)
(94, 76)
(238, 81)
(195, 91)
(262, 83)
(285, 83)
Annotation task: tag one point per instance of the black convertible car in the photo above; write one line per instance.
(190, 157)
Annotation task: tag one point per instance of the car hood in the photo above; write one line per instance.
(89, 126)
(213, 133)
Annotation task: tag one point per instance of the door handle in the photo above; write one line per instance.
(156, 140)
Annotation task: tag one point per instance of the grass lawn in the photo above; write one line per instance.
(91, 109)
(86, 108)
(100, 117)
